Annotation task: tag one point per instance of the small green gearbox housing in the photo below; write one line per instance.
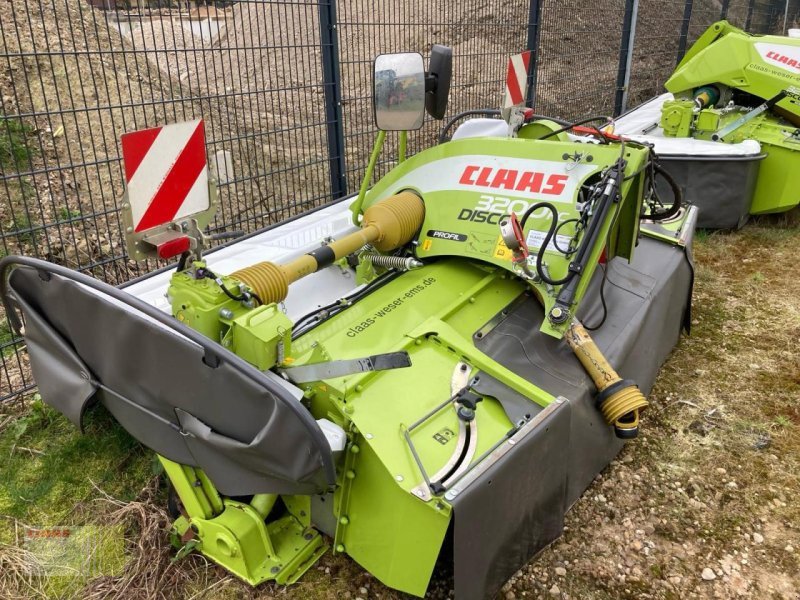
(676, 118)
(200, 303)
(708, 120)
(262, 336)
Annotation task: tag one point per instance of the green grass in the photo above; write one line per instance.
(67, 214)
(15, 151)
(50, 468)
(6, 337)
(20, 226)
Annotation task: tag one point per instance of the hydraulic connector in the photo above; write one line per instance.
(620, 400)
(514, 239)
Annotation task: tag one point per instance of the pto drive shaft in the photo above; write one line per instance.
(620, 400)
(387, 225)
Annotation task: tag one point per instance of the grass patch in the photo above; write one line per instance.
(15, 151)
(7, 348)
(67, 214)
(49, 467)
(21, 226)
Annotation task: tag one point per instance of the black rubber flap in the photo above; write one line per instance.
(246, 431)
(518, 408)
(514, 509)
(502, 520)
(647, 300)
(721, 189)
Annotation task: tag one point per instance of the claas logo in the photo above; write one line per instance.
(535, 182)
(783, 59)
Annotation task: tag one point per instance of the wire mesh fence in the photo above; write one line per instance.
(284, 88)
(577, 59)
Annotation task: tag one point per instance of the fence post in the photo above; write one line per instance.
(785, 29)
(534, 22)
(687, 17)
(724, 12)
(748, 20)
(626, 55)
(332, 84)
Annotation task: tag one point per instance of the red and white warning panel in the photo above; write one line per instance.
(169, 197)
(166, 173)
(517, 79)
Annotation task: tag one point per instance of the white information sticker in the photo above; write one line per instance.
(535, 239)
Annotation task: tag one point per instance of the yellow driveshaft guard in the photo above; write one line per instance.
(387, 225)
(620, 400)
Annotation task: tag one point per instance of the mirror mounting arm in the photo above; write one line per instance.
(431, 82)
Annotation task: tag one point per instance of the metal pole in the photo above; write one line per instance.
(725, 5)
(534, 22)
(332, 84)
(785, 30)
(687, 17)
(750, 7)
(626, 55)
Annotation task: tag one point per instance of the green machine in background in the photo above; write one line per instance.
(733, 88)
(450, 407)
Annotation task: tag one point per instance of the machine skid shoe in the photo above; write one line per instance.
(239, 540)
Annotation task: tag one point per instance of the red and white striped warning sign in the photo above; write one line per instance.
(166, 172)
(517, 79)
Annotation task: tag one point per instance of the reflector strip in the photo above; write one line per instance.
(166, 173)
(517, 79)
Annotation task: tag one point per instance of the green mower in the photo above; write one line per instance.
(729, 130)
(406, 376)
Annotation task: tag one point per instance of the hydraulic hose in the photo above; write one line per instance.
(620, 400)
(579, 122)
(481, 112)
(677, 194)
(550, 232)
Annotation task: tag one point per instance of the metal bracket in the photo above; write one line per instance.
(500, 449)
(515, 117)
(730, 128)
(340, 368)
(160, 241)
